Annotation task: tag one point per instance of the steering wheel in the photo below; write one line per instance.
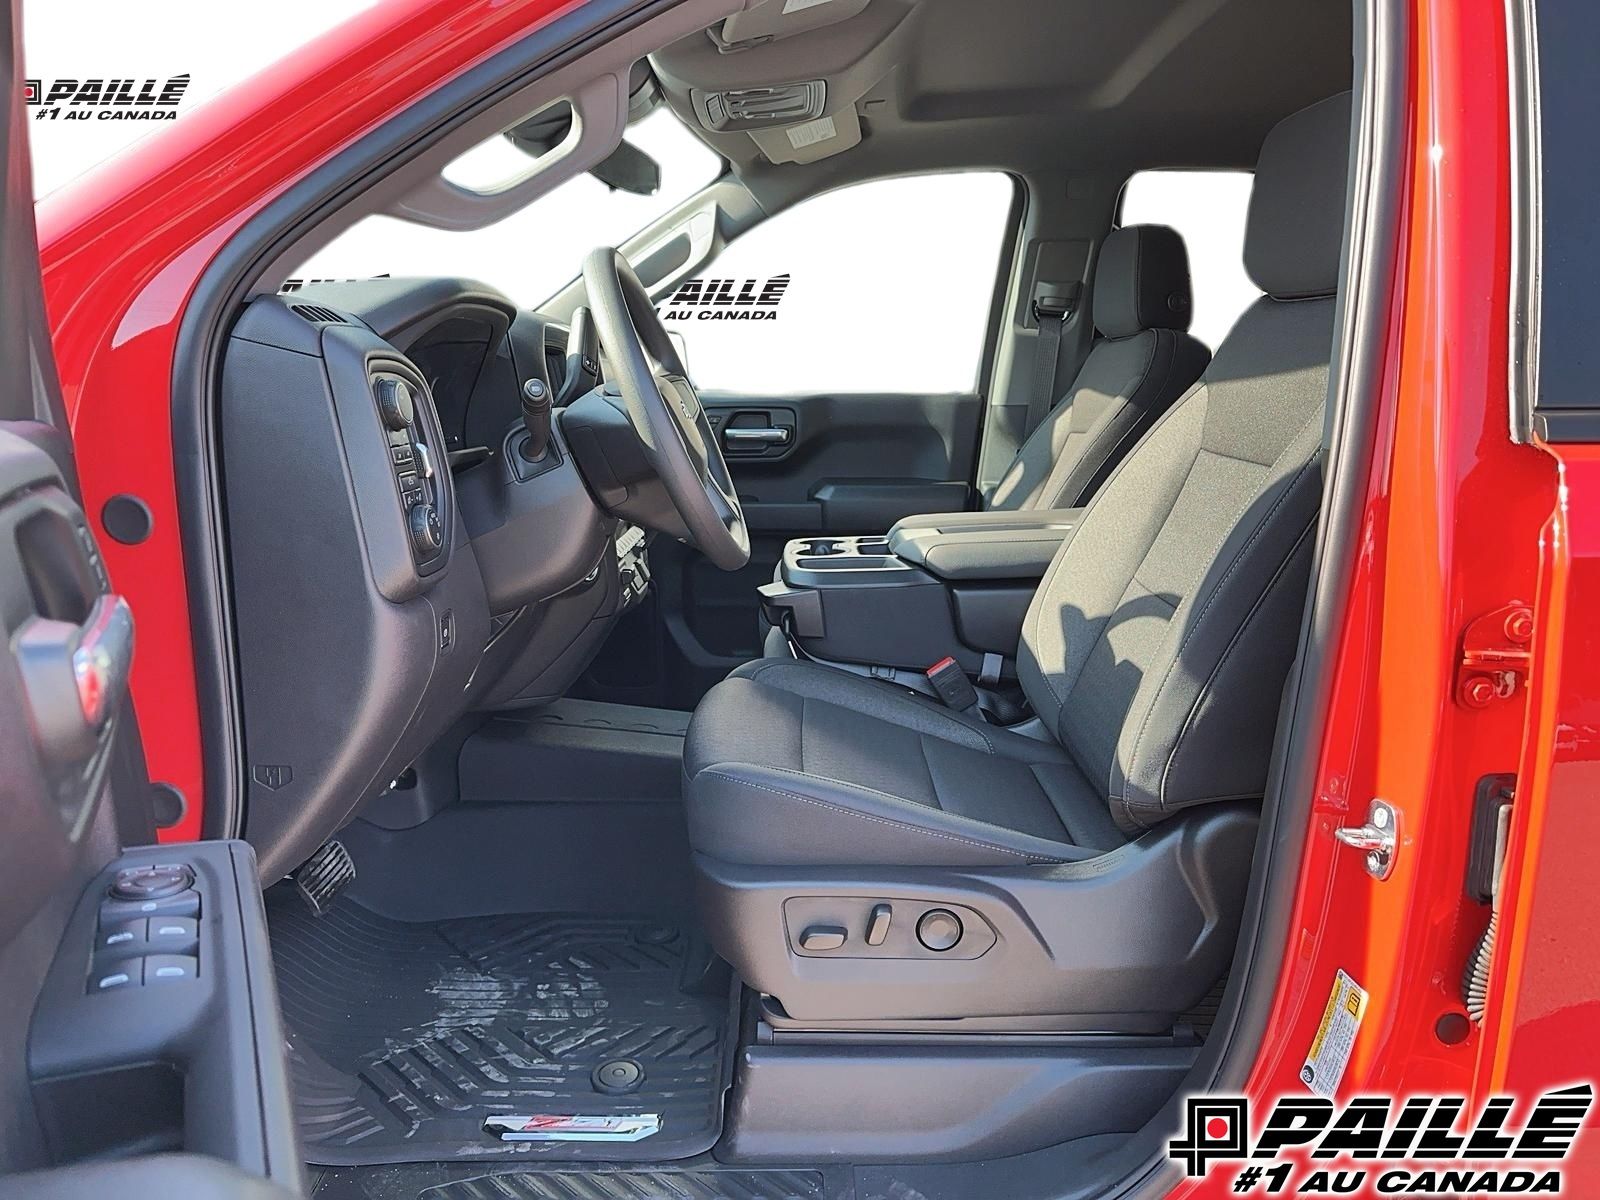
(665, 409)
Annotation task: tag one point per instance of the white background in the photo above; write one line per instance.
(869, 308)
(215, 42)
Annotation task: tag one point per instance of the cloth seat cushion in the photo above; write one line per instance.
(793, 763)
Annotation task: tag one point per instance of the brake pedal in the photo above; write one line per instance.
(323, 876)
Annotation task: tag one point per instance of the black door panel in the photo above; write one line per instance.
(841, 463)
(828, 462)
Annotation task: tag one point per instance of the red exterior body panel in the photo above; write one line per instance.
(1455, 526)
(1458, 522)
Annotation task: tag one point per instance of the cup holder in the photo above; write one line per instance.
(851, 546)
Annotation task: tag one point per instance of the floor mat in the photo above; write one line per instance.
(628, 1185)
(404, 1036)
(445, 1181)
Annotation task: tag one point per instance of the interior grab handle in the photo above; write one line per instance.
(750, 437)
(76, 675)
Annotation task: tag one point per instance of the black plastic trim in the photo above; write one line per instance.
(999, 298)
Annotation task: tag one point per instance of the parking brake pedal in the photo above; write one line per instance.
(323, 876)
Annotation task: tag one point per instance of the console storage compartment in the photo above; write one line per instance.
(940, 584)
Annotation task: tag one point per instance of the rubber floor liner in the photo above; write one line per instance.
(404, 1036)
(633, 1185)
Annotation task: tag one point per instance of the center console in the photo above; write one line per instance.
(940, 585)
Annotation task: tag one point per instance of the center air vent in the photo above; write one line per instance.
(761, 108)
(318, 315)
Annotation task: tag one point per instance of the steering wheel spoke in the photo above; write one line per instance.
(665, 410)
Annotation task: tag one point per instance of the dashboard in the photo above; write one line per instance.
(396, 560)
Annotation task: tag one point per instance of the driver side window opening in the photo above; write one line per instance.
(536, 250)
(889, 289)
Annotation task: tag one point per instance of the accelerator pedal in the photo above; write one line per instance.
(323, 876)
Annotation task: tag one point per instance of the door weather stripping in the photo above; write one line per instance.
(553, 1127)
(1378, 837)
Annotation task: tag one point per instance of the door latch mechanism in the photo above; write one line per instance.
(1494, 656)
(1379, 837)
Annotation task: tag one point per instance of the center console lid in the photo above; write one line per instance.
(944, 584)
(984, 545)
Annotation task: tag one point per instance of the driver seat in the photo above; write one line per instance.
(865, 854)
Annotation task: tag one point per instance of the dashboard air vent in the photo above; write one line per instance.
(318, 315)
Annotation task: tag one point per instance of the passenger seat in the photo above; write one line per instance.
(1141, 364)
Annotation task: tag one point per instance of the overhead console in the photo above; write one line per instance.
(938, 585)
(742, 81)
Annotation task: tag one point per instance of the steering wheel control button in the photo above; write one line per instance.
(151, 883)
(184, 904)
(822, 937)
(394, 403)
(617, 1077)
(427, 531)
(170, 968)
(939, 929)
(878, 924)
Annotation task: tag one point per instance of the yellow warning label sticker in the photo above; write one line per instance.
(1336, 1035)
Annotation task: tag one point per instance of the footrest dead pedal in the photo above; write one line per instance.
(323, 876)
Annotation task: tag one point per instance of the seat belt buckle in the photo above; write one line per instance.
(951, 685)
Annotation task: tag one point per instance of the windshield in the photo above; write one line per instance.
(536, 251)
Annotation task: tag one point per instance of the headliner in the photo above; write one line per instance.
(1072, 86)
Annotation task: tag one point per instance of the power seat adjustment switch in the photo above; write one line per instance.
(823, 937)
(939, 929)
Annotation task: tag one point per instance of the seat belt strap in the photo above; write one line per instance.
(1051, 313)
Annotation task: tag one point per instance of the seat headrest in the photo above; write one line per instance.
(1295, 230)
(1141, 281)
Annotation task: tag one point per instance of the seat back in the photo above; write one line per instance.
(1142, 362)
(1159, 640)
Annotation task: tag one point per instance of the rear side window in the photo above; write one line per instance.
(1208, 209)
(880, 287)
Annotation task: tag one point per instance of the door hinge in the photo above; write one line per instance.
(1494, 656)
(1379, 837)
